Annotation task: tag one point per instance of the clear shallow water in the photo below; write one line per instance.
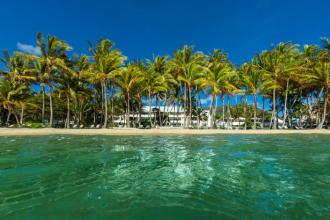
(168, 177)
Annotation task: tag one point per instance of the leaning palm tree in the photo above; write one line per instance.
(107, 60)
(321, 78)
(19, 75)
(10, 93)
(52, 57)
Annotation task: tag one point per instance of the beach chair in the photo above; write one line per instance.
(81, 126)
(98, 126)
(92, 126)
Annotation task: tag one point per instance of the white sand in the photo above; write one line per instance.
(159, 131)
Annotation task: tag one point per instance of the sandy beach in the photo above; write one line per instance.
(156, 131)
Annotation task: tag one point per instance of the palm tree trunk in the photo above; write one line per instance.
(22, 115)
(159, 112)
(228, 110)
(255, 111)
(285, 102)
(8, 118)
(245, 112)
(274, 125)
(318, 106)
(139, 116)
(212, 107)
(185, 106)
(68, 111)
(51, 107)
(128, 111)
(223, 108)
(320, 126)
(105, 123)
(43, 105)
(236, 106)
(16, 118)
(263, 111)
(149, 101)
(190, 107)
(94, 117)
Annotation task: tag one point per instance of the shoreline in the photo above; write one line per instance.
(155, 131)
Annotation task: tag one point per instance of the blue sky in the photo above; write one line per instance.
(142, 28)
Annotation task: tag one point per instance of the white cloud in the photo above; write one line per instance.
(35, 50)
(206, 101)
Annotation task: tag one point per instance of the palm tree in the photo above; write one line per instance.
(252, 80)
(19, 76)
(215, 77)
(127, 78)
(9, 96)
(273, 64)
(321, 77)
(106, 61)
(186, 64)
(157, 79)
(52, 57)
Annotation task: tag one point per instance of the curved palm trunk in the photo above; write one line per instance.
(255, 111)
(318, 106)
(51, 107)
(105, 122)
(16, 118)
(285, 103)
(8, 117)
(274, 125)
(320, 126)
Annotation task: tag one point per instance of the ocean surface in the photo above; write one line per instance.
(165, 177)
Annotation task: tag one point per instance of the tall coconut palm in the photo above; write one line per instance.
(216, 77)
(127, 78)
(186, 64)
(52, 57)
(107, 60)
(252, 80)
(157, 79)
(273, 64)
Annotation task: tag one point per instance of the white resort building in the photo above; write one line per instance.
(170, 116)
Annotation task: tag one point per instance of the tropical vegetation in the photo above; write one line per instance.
(286, 83)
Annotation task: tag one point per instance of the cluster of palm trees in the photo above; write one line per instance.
(93, 88)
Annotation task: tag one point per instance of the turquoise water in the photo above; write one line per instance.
(165, 177)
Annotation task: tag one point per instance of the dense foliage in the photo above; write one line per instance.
(54, 89)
